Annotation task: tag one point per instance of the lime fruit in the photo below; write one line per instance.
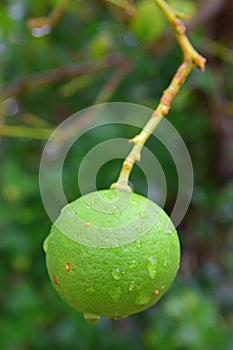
(112, 254)
(149, 23)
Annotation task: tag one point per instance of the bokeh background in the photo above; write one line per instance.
(58, 57)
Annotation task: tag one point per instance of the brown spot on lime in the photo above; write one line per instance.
(55, 280)
(87, 223)
(156, 292)
(67, 267)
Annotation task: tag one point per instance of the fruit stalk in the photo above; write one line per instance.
(191, 59)
(50, 20)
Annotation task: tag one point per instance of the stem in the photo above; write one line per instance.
(25, 132)
(217, 50)
(191, 58)
(112, 83)
(127, 5)
(179, 29)
(58, 12)
(55, 75)
(51, 19)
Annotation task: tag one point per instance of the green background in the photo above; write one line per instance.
(197, 311)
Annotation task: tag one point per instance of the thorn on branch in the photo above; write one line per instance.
(127, 164)
(202, 62)
(131, 140)
(179, 26)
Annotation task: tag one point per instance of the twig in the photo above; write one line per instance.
(216, 49)
(58, 12)
(111, 85)
(179, 29)
(55, 75)
(204, 14)
(25, 132)
(35, 121)
(51, 19)
(126, 5)
(191, 58)
(42, 130)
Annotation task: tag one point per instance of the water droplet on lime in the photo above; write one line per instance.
(142, 299)
(151, 267)
(91, 318)
(138, 244)
(116, 213)
(131, 286)
(111, 195)
(119, 317)
(143, 215)
(132, 264)
(169, 229)
(139, 230)
(115, 243)
(116, 293)
(116, 274)
(143, 227)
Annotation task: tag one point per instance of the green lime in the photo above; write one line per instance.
(149, 23)
(112, 254)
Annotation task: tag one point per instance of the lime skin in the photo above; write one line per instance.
(112, 254)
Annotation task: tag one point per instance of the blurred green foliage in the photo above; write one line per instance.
(197, 312)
